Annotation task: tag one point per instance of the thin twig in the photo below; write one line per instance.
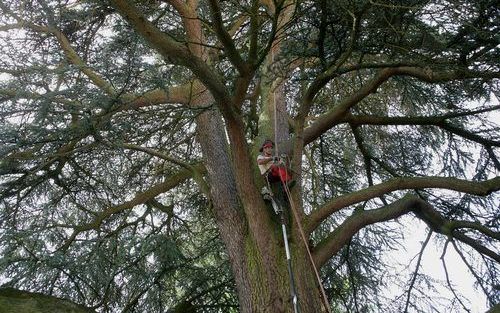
(448, 277)
(415, 274)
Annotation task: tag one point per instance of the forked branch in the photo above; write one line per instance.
(409, 203)
(471, 187)
(140, 198)
(338, 112)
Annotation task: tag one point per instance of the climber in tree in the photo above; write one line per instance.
(271, 166)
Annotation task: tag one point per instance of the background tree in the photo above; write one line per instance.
(130, 131)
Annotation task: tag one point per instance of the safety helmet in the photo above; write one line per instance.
(267, 143)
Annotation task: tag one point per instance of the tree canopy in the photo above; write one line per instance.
(129, 132)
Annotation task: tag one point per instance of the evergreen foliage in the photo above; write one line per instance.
(108, 194)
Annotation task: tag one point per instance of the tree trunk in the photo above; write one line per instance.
(250, 231)
(268, 288)
(273, 293)
(253, 241)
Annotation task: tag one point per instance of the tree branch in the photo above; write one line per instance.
(158, 96)
(68, 50)
(140, 198)
(175, 51)
(439, 121)
(226, 40)
(343, 233)
(414, 120)
(472, 270)
(322, 79)
(195, 170)
(409, 203)
(476, 246)
(443, 261)
(192, 24)
(493, 157)
(23, 94)
(338, 203)
(254, 30)
(456, 225)
(366, 155)
(15, 300)
(176, 94)
(332, 117)
(415, 274)
(335, 115)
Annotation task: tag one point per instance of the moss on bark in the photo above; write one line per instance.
(19, 301)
